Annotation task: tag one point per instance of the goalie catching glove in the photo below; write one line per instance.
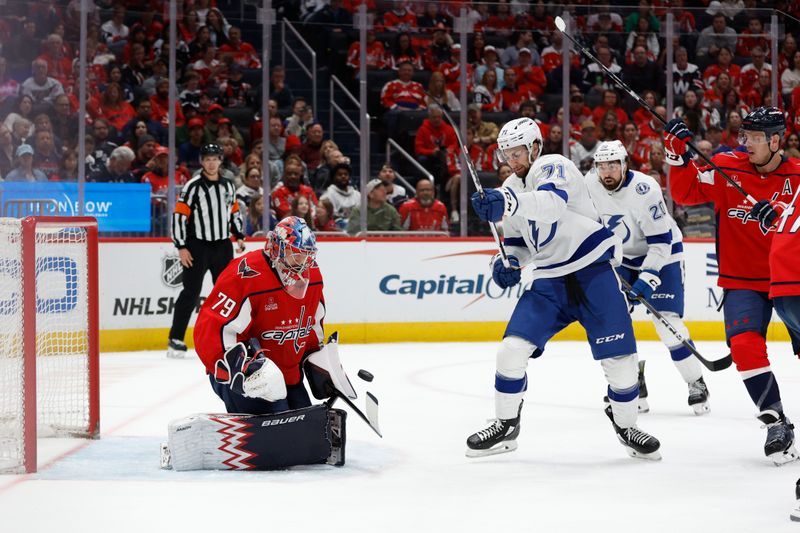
(676, 134)
(251, 374)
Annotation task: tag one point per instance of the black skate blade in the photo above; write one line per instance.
(504, 447)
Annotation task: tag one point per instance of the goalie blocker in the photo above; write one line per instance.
(312, 435)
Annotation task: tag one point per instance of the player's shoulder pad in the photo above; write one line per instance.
(643, 184)
(730, 158)
(514, 183)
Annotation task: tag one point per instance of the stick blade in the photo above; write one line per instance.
(720, 364)
(560, 24)
(372, 413)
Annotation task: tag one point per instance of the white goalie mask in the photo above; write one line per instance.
(611, 152)
(519, 132)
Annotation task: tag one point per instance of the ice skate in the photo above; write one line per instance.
(642, 404)
(698, 397)
(176, 349)
(499, 437)
(166, 457)
(795, 514)
(637, 443)
(779, 445)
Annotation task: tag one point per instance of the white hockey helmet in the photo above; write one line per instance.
(519, 132)
(612, 151)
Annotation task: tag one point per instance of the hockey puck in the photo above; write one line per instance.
(366, 376)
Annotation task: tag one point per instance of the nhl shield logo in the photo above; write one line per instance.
(171, 271)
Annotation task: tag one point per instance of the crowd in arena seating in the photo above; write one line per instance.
(722, 68)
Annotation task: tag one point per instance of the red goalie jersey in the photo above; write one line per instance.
(249, 302)
(743, 248)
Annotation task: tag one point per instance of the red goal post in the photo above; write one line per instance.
(49, 327)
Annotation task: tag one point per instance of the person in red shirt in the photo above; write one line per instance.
(376, 54)
(513, 93)
(746, 44)
(743, 251)
(400, 18)
(240, 52)
(652, 130)
(283, 196)
(59, 66)
(403, 93)
(160, 104)
(271, 301)
(724, 64)
(610, 103)
(425, 212)
(452, 71)
(530, 74)
(112, 107)
(434, 140)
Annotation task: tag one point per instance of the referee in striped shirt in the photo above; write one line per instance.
(204, 218)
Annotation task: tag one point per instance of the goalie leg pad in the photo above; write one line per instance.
(314, 435)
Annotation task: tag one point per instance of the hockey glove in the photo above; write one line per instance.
(765, 213)
(644, 287)
(250, 374)
(494, 204)
(675, 136)
(506, 277)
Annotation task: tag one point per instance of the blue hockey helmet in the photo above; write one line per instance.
(770, 120)
(292, 250)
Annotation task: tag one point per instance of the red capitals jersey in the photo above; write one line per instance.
(743, 248)
(248, 301)
(784, 268)
(415, 217)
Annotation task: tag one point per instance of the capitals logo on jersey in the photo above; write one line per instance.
(291, 330)
(245, 271)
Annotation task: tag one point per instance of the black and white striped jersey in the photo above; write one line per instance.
(208, 211)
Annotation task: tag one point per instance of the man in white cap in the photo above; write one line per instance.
(381, 215)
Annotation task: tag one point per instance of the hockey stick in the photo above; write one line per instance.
(371, 418)
(714, 366)
(562, 27)
(474, 175)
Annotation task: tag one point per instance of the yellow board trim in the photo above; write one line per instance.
(122, 340)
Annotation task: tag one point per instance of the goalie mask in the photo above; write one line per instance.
(292, 250)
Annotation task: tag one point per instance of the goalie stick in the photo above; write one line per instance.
(562, 27)
(474, 175)
(714, 366)
(371, 418)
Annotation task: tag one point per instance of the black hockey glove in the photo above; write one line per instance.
(765, 213)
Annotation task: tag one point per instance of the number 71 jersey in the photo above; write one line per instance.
(248, 301)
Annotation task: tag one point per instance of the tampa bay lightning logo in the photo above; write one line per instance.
(642, 188)
(616, 223)
(245, 271)
(535, 234)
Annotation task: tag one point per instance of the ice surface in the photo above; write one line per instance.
(569, 473)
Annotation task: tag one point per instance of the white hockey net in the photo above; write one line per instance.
(62, 343)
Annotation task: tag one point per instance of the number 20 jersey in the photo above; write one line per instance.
(247, 302)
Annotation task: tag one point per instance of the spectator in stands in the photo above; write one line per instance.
(137, 69)
(65, 122)
(439, 51)
(217, 26)
(691, 102)
(553, 143)
(424, 212)
(475, 53)
(234, 92)
(310, 152)
(254, 222)
(381, 215)
(716, 36)
(112, 107)
(46, 158)
(643, 35)
(761, 93)
(521, 40)
(145, 150)
(21, 131)
(40, 87)
(230, 150)
(582, 152)
(439, 94)
(656, 165)
(301, 207)
(6, 151)
(9, 87)
(528, 73)
(277, 142)
(250, 189)
(202, 40)
(704, 147)
(715, 96)
(376, 54)
(609, 127)
(212, 125)
(790, 78)
(209, 68)
(491, 61)
(401, 95)
(792, 146)
(503, 21)
(513, 94)
(432, 17)
(488, 94)
(596, 76)
(730, 135)
(292, 187)
(653, 130)
(114, 31)
(452, 71)
(321, 178)
(610, 103)
(644, 73)
(747, 44)
(22, 50)
(642, 115)
(714, 136)
(638, 152)
(723, 64)
(144, 115)
(395, 194)
(157, 174)
(68, 168)
(23, 170)
(118, 167)
(732, 102)
(645, 11)
(404, 52)
(342, 196)
(323, 218)
(279, 90)
(685, 76)
(59, 67)
(104, 141)
(400, 18)
(42, 122)
(238, 51)
(485, 132)
(788, 48)
(749, 74)
(189, 152)
(115, 76)
(302, 117)
(504, 170)
(433, 141)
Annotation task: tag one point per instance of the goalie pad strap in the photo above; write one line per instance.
(311, 435)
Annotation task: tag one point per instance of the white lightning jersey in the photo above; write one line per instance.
(638, 215)
(555, 226)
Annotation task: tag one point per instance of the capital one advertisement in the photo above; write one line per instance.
(367, 282)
